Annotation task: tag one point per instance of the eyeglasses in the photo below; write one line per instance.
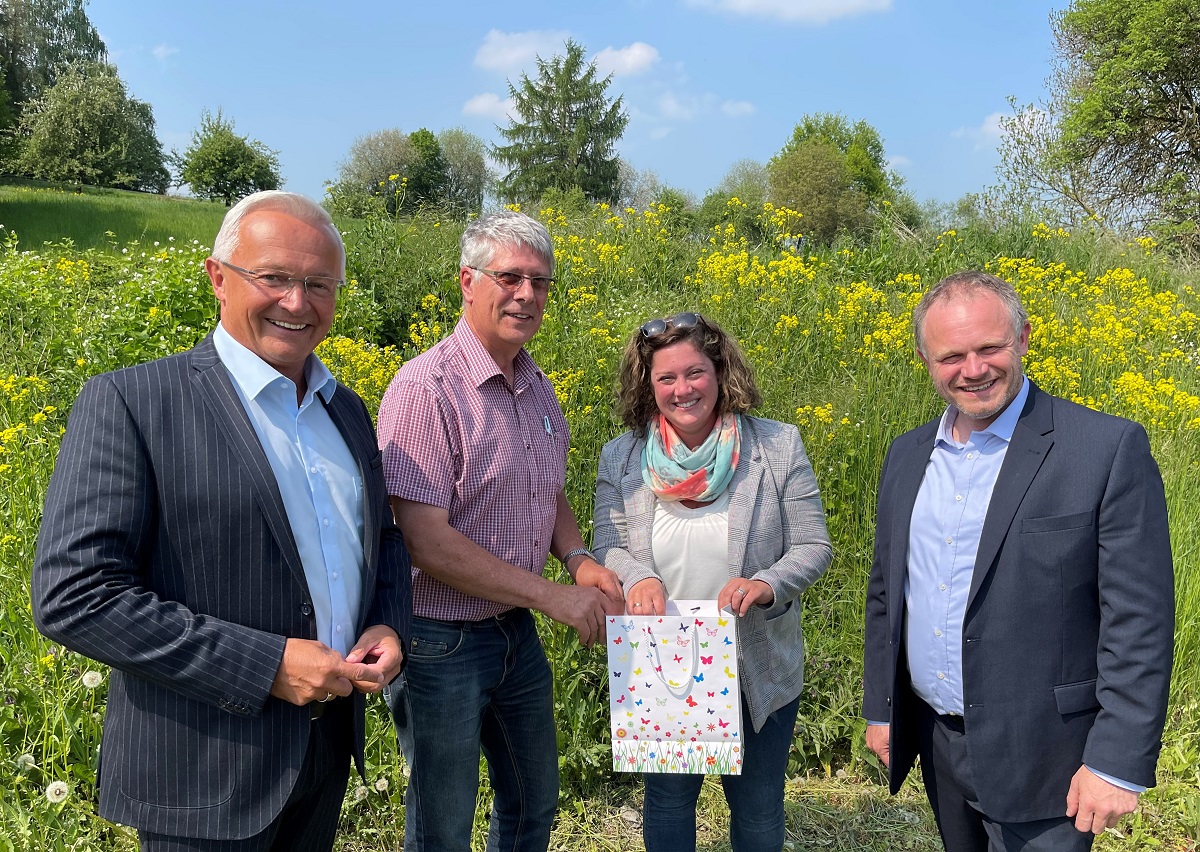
(653, 328)
(319, 288)
(512, 280)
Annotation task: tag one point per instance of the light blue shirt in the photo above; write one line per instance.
(943, 539)
(318, 479)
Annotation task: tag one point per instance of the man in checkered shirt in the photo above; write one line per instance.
(474, 449)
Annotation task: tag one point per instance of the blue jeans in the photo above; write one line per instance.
(755, 797)
(472, 685)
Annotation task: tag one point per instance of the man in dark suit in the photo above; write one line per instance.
(1019, 613)
(217, 530)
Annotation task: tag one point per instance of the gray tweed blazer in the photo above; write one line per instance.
(776, 534)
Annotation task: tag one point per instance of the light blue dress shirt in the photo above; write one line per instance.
(943, 539)
(318, 479)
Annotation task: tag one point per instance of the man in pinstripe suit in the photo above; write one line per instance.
(217, 530)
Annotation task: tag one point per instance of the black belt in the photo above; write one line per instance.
(954, 722)
(317, 709)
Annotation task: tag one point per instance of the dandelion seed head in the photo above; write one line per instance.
(57, 791)
(92, 679)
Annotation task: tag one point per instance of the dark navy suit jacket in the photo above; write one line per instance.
(165, 552)
(1067, 639)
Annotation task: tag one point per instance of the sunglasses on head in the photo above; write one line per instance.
(653, 328)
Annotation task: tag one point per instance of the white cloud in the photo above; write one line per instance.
(489, 105)
(898, 161)
(162, 51)
(510, 53)
(736, 109)
(635, 59)
(660, 133)
(985, 135)
(801, 11)
(671, 108)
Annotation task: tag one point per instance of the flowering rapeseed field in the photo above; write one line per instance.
(1115, 327)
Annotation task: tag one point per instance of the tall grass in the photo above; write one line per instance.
(1115, 326)
(95, 218)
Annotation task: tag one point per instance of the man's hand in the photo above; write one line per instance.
(1095, 803)
(592, 573)
(312, 671)
(739, 594)
(647, 597)
(379, 653)
(581, 607)
(878, 737)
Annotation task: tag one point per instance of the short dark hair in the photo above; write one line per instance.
(969, 283)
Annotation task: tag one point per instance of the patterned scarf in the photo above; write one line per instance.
(673, 472)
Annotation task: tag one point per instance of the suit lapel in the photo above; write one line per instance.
(747, 478)
(215, 387)
(1031, 441)
(639, 505)
(345, 417)
(909, 474)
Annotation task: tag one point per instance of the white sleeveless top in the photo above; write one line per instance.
(691, 548)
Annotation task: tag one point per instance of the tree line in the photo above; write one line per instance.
(1116, 145)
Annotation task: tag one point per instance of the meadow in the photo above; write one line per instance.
(1115, 326)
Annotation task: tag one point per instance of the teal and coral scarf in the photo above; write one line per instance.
(673, 472)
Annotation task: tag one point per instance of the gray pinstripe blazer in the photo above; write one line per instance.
(776, 534)
(166, 553)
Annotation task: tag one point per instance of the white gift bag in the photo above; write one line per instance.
(673, 691)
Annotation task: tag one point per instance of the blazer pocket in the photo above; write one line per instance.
(1076, 697)
(1057, 522)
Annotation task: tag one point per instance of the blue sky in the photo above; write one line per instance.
(706, 82)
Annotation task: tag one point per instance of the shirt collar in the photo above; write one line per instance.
(1002, 427)
(481, 366)
(253, 374)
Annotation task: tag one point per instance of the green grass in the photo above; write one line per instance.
(99, 218)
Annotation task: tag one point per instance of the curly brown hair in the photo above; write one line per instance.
(737, 390)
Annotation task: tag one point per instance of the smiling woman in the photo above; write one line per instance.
(701, 501)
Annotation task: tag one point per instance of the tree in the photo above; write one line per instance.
(746, 181)
(39, 40)
(833, 173)
(397, 172)
(468, 177)
(221, 164)
(427, 174)
(566, 132)
(86, 129)
(1128, 101)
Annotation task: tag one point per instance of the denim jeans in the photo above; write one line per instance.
(755, 797)
(472, 685)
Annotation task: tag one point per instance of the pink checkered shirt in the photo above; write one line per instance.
(455, 435)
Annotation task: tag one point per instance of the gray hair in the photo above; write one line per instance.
(964, 285)
(505, 229)
(275, 200)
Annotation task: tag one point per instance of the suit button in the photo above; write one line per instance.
(306, 608)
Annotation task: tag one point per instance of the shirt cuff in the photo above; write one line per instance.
(1117, 782)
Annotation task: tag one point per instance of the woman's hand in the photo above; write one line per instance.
(740, 594)
(646, 597)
